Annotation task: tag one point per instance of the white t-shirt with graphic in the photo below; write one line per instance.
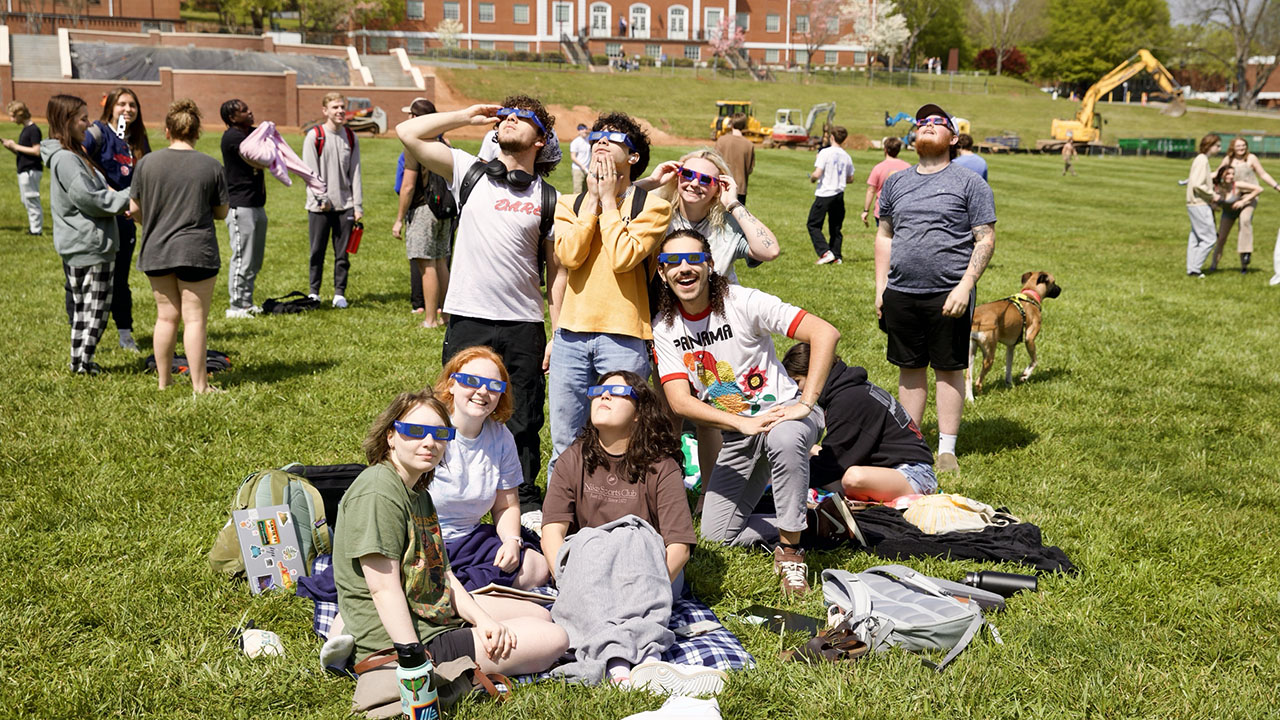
(729, 358)
(469, 477)
(728, 244)
(580, 149)
(837, 170)
(495, 258)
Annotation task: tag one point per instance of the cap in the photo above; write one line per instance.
(931, 109)
(419, 106)
(581, 126)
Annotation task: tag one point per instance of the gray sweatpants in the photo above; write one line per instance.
(29, 190)
(1202, 238)
(746, 465)
(247, 227)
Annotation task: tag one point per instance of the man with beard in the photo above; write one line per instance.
(494, 297)
(936, 236)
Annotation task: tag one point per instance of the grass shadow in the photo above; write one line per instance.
(706, 573)
(275, 371)
(984, 436)
(995, 379)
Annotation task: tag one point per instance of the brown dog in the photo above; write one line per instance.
(1008, 322)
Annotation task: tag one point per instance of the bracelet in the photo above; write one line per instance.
(511, 537)
(732, 206)
(807, 404)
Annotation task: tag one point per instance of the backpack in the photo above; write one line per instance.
(285, 306)
(440, 201)
(319, 141)
(894, 606)
(264, 488)
(546, 220)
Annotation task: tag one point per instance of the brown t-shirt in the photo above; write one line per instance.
(603, 496)
(739, 154)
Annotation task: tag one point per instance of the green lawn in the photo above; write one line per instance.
(1145, 447)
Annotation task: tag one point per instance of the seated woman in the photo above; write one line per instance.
(479, 474)
(622, 464)
(872, 449)
(392, 574)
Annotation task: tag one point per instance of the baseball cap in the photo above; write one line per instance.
(931, 109)
(419, 106)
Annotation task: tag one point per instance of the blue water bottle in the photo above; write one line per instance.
(418, 699)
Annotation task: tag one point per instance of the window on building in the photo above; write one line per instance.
(520, 46)
(712, 17)
(520, 14)
(639, 21)
(413, 10)
(677, 23)
(772, 23)
(486, 12)
(613, 49)
(653, 51)
(600, 20)
(562, 13)
(771, 56)
(802, 57)
(802, 23)
(484, 44)
(833, 26)
(743, 20)
(693, 52)
(452, 11)
(378, 44)
(415, 45)
(830, 57)
(859, 58)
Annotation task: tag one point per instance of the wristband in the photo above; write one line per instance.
(510, 537)
(732, 206)
(808, 405)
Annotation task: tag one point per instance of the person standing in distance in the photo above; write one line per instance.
(331, 151)
(832, 170)
(580, 154)
(881, 172)
(27, 150)
(966, 157)
(247, 218)
(935, 238)
(739, 153)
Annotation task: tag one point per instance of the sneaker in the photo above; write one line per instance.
(127, 342)
(234, 313)
(838, 261)
(791, 567)
(1275, 280)
(826, 257)
(664, 678)
(834, 521)
(255, 309)
(947, 462)
(89, 368)
(532, 521)
(1193, 273)
(339, 301)
(314, 296)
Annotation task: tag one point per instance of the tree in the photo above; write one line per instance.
(820, 22)
(258, 11)
(448, 31)
(726, 39)
(1086, 39)
(1011, 59)
(948, 29)
(918, 14)
(1003, 24)
(1254, 27)
(882, 30)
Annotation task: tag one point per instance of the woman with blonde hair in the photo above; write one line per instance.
(1249, 172)
(177, 193)
(480, 475)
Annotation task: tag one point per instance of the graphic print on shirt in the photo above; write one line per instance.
(423, 568)
(896, 411)
(724, 391)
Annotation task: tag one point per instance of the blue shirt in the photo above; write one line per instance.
(974, 163)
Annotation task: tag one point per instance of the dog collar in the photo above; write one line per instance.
(1035, 296)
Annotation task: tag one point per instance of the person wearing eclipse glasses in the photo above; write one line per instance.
(935, 238)
(718, 367)
(494, 296)
(605, 238)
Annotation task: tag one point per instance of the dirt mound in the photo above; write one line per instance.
(857, 141)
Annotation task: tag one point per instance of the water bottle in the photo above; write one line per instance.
(353, 242)
(1004, 584)
(418, 699)
(692, 473)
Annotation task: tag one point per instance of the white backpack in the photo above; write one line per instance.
(894, 606)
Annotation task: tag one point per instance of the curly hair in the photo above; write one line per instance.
(667, 300)
(524, 102)
(18, 110)
(652, 438)
(138, 141)
(444, 384)
(376, 446)
(623, 123)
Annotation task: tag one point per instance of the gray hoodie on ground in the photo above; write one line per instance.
(84, 208)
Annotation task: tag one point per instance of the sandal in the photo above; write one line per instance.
(838, 645)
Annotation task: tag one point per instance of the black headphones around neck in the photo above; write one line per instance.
(517, 179)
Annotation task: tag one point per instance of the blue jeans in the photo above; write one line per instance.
(578, 360)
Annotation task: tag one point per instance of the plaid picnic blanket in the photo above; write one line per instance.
(719, 648)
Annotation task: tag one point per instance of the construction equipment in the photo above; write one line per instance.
(789, 132)
(1087, 125)
(909, 140)
(725, 109)
(362, 114)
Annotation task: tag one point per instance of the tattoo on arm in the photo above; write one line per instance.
(985, 240)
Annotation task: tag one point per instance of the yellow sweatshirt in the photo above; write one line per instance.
(606, 256)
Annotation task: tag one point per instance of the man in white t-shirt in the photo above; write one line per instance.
(580, 154)
(494, 296)
(832, 170)
(718, 368)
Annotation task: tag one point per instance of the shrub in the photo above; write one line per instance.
(1015, 63)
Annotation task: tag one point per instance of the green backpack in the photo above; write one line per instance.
(265, 488)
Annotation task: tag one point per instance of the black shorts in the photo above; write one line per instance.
(920, 335)
(451, 645)
(185, 273)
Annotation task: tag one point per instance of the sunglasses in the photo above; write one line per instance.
(933, 120)
(687, 174)
(522, 113)
(420, 431)
(614, 390)
(613, 137)
(673, 259)
(476, 381)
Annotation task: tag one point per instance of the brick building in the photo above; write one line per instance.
(659, 29)
(47, 16)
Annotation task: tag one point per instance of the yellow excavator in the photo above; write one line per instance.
(1086, 127)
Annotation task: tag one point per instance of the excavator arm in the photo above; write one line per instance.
(1141, 60)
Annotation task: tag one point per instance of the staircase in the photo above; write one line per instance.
(386, 71)
(35, 56)
(743, 60)
(576, 51)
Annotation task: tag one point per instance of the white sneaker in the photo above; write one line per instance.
(256, 309)
(827, 257)
(664, 678)
(127, 342)
(1275, 280)
(314, 296)
(838, 261)
(532, 521)
(234, 313)
(339, 301)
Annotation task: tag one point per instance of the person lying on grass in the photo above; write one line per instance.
(392, 573)
(872, 449)
(718, 367)
(622, 464)
(480, 474)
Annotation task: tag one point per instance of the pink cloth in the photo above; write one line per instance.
(265, 149)
(879, 174)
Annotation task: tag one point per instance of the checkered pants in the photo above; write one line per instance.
(91, 301)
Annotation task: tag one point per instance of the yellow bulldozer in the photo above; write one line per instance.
(725, 109)
(1086, 127)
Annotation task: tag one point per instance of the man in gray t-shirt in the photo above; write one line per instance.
(936, 236)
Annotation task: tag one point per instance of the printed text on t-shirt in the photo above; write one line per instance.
(517, 206)
(704, 338)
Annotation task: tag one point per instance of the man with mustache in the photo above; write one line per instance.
(936, 236)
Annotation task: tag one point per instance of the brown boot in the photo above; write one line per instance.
(789, 564)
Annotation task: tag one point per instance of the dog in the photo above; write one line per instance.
(1009, 321)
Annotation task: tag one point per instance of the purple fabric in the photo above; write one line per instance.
(471, 557)
(265, 149)
(319, 586)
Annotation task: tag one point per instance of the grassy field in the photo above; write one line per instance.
(860, 108)
(1145, 447)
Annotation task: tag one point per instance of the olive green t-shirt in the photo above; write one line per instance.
(379, 515)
